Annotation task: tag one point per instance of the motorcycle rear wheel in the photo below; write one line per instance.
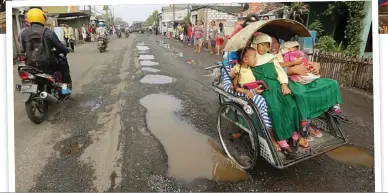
(32, 106)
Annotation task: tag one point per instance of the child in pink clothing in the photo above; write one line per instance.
(290, 52)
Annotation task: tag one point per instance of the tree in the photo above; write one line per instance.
(107, 17)
(296, 11)
(119, 21)
(152, 18)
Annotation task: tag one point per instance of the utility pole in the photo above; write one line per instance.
(173, 15)
(188, 12)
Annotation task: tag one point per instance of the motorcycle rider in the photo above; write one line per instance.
(38, 43)
(126, 30)
(102, 33)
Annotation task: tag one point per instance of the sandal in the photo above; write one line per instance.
(276, 145)
(288, 152)
(339, 115)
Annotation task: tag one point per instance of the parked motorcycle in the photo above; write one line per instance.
(39, 90)
(126, 34)
(101, 44)
(119, 34)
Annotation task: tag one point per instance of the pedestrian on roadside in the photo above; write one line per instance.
(198, 36)
(91, 33)
(220, 37)
(69, 38)
(189, 33)
(212, 36)
(83, 32)
(185, 33)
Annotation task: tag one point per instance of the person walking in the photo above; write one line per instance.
(198, 36)
(83, 32)
(212, 36)
(69, 38)
(220, 37)
(189, 33)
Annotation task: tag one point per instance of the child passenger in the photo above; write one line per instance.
(291, 52)
(242, 75)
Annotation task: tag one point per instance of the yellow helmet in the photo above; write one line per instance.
(36, 15)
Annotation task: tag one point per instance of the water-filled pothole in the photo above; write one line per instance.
(142, 48)
(355, 156)
(150, 69)
(157, 79)
(148, 63)
(146, 57)
(190, 155)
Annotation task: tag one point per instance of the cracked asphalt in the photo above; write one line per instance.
(100, 140)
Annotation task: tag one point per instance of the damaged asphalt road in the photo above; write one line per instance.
(102, 139)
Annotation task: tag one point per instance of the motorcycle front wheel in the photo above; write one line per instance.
(34, 106)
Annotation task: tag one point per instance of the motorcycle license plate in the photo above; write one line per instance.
(29, 88)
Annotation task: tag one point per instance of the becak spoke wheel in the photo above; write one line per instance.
(238, 135)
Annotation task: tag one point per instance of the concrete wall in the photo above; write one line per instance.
(75, 23)
(228, 20)
(367, 26)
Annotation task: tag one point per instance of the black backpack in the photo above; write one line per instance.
(37, 51)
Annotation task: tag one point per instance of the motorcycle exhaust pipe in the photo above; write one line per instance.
(48, 97)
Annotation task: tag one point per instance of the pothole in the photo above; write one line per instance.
(148, 63)
(146, 57)
(92, 104)
(190, 155)
(355, 156)
(142, 48)
(157, 79)
(150, 69)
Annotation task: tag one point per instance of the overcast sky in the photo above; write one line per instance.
(130, 13)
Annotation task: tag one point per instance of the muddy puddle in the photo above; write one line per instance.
(142, 48)
(146, 57)
(150, 69)
(355, 156)
(157, 79)
(148, 63)
(191, 155)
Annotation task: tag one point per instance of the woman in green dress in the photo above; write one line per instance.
(282, 107)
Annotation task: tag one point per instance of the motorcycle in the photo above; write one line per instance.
(39, 90)
(101, 44)
(127, 34)
(119, 34)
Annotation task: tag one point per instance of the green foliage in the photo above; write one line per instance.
(327, 43)
(152, 18)
(318, 27)
(355, 10)
(355, 26)
(186, 20)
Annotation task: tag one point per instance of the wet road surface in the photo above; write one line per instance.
(140, 120)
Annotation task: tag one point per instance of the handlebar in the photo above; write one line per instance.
(215, 66)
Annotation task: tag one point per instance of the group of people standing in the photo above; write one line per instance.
(195, 35)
